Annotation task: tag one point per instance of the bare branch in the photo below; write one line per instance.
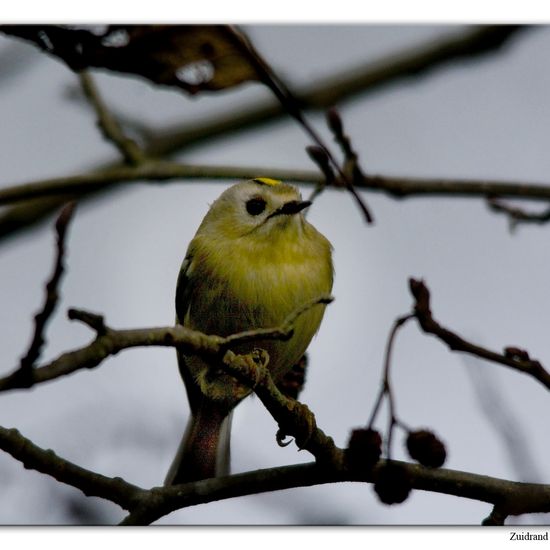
(518, 215)
(385, 387)
(112, 342)
(512, 498)
(24, 372)
(284, 332)
(110, 128)
(399, 187)
(154, 171)
(163, 171)
(512, 357)
(109, 342)
(47, 462)
(146, 506)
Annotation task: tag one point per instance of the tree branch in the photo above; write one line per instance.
(515, 358)
(512, 498)
(154, 171)
(157, 171)
(518, 215)
(47, 462)
(146, 506)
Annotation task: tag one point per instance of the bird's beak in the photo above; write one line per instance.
(291, 207)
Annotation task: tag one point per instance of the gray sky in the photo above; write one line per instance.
(486, 119)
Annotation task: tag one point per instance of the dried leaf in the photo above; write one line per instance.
(191, 57)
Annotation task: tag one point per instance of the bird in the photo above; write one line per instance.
(253, 261)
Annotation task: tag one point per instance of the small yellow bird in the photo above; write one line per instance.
(253, 261)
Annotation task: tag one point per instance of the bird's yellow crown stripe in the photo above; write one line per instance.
(267, 181)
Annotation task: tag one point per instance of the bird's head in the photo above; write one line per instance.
(260, 207)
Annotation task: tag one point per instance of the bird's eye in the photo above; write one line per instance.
(255, 206)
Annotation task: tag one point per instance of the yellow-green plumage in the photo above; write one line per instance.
(244, 271)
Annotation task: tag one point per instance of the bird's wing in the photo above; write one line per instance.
(183, 290)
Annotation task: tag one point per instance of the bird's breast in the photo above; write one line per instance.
(258, 287)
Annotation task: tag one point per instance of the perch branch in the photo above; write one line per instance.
(109, 342)
(294, 418)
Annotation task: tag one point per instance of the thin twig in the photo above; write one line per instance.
(512, 357)
(518, 215)
(385, 387)
(143, 131)
(110, 128)
(319, 157)
(284, 331)
(41, 319)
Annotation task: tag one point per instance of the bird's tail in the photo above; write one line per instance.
(204, 450)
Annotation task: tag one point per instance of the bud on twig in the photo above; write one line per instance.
(334, 122)
(319, 156)
(516, 353)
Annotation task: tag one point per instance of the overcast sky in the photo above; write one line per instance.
(483, 119)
